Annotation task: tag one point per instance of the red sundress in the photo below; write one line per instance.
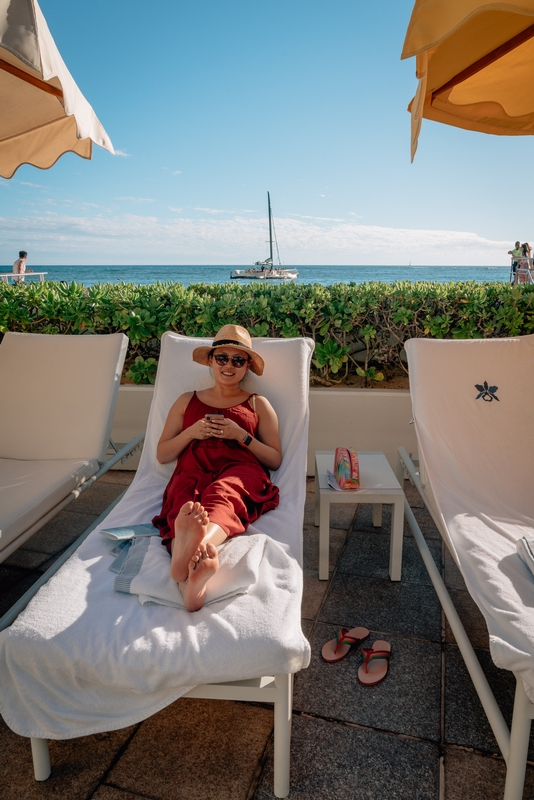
(221, 474)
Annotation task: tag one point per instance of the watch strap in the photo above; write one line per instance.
(247, 440)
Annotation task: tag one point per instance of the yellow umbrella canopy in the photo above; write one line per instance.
(475, 65)
(43, 113)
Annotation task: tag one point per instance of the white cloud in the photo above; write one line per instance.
(33, 185)
(136, 239)
(122, 154)
(136, 199)
(177, 172)
(213, 210)
(321, 219)
(177, 210)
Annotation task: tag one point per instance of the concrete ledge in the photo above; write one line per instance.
(366, 419)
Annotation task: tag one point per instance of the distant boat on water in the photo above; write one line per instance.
(267, 270)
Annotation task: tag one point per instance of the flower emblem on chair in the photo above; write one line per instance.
(486, 392)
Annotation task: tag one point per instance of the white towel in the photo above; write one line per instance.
(89, 659)
(482, 492)
(525, 549)
(145, 571)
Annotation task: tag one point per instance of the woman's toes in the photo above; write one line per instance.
(211, 550)
(187, 507)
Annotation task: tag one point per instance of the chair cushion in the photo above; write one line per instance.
(29, 489)
(58, 394)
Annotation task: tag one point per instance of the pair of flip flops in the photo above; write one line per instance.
(376, 658)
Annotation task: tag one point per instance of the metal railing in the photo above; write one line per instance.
(18, 277)
(522, 270)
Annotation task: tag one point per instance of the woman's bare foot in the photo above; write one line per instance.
(202, 567)
(189, 530)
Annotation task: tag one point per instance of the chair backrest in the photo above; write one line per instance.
(472, 405)
(58, 394)
(285, 383)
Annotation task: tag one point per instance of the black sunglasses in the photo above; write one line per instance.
(237, 361)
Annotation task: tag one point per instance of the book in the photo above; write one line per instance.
(333, 484)
(130, 532)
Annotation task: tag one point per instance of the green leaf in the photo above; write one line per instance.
(143, 370)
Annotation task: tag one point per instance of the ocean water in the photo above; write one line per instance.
(325, 275)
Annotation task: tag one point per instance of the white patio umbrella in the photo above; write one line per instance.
(43, 113)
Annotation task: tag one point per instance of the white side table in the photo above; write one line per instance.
(378, 485)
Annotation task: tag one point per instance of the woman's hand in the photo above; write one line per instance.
(206, 429)
(227, 429)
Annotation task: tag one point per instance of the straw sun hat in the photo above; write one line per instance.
(232, 336)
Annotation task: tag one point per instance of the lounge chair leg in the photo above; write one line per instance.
(519, 738)
(396, 541)
(324, 540)
(41, 759)
(377, 515)
(282, 734)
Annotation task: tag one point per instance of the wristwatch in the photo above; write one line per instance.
(247, 440)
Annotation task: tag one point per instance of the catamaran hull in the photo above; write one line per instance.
(264, 275)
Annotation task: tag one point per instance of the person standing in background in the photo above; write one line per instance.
(19, 267)
(515, 253)
(523, 264)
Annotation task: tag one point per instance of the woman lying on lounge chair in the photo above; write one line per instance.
(225, 440)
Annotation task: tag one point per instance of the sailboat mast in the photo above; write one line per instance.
(270, 229)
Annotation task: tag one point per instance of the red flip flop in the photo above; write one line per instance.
(375, 666)
(338, 648)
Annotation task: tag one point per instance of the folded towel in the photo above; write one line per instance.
(144, 571)
(525, 549)
(120, 552)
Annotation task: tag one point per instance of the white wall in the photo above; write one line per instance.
(366, 419)
(131, 417)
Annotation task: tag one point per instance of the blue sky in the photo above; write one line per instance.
(211, 104)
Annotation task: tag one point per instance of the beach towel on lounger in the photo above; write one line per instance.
(471, 404)
(84, 658)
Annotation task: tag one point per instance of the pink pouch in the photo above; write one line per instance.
(346, 468)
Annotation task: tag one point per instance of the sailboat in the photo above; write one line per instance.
(267, 270)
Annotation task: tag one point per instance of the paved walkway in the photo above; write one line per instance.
(420, 735)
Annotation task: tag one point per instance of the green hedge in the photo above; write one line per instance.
(358, 328)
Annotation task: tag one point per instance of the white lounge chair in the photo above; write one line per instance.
(57, 402)
(472, 409)
(132, 661)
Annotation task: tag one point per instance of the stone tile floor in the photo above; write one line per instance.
(420, 735)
